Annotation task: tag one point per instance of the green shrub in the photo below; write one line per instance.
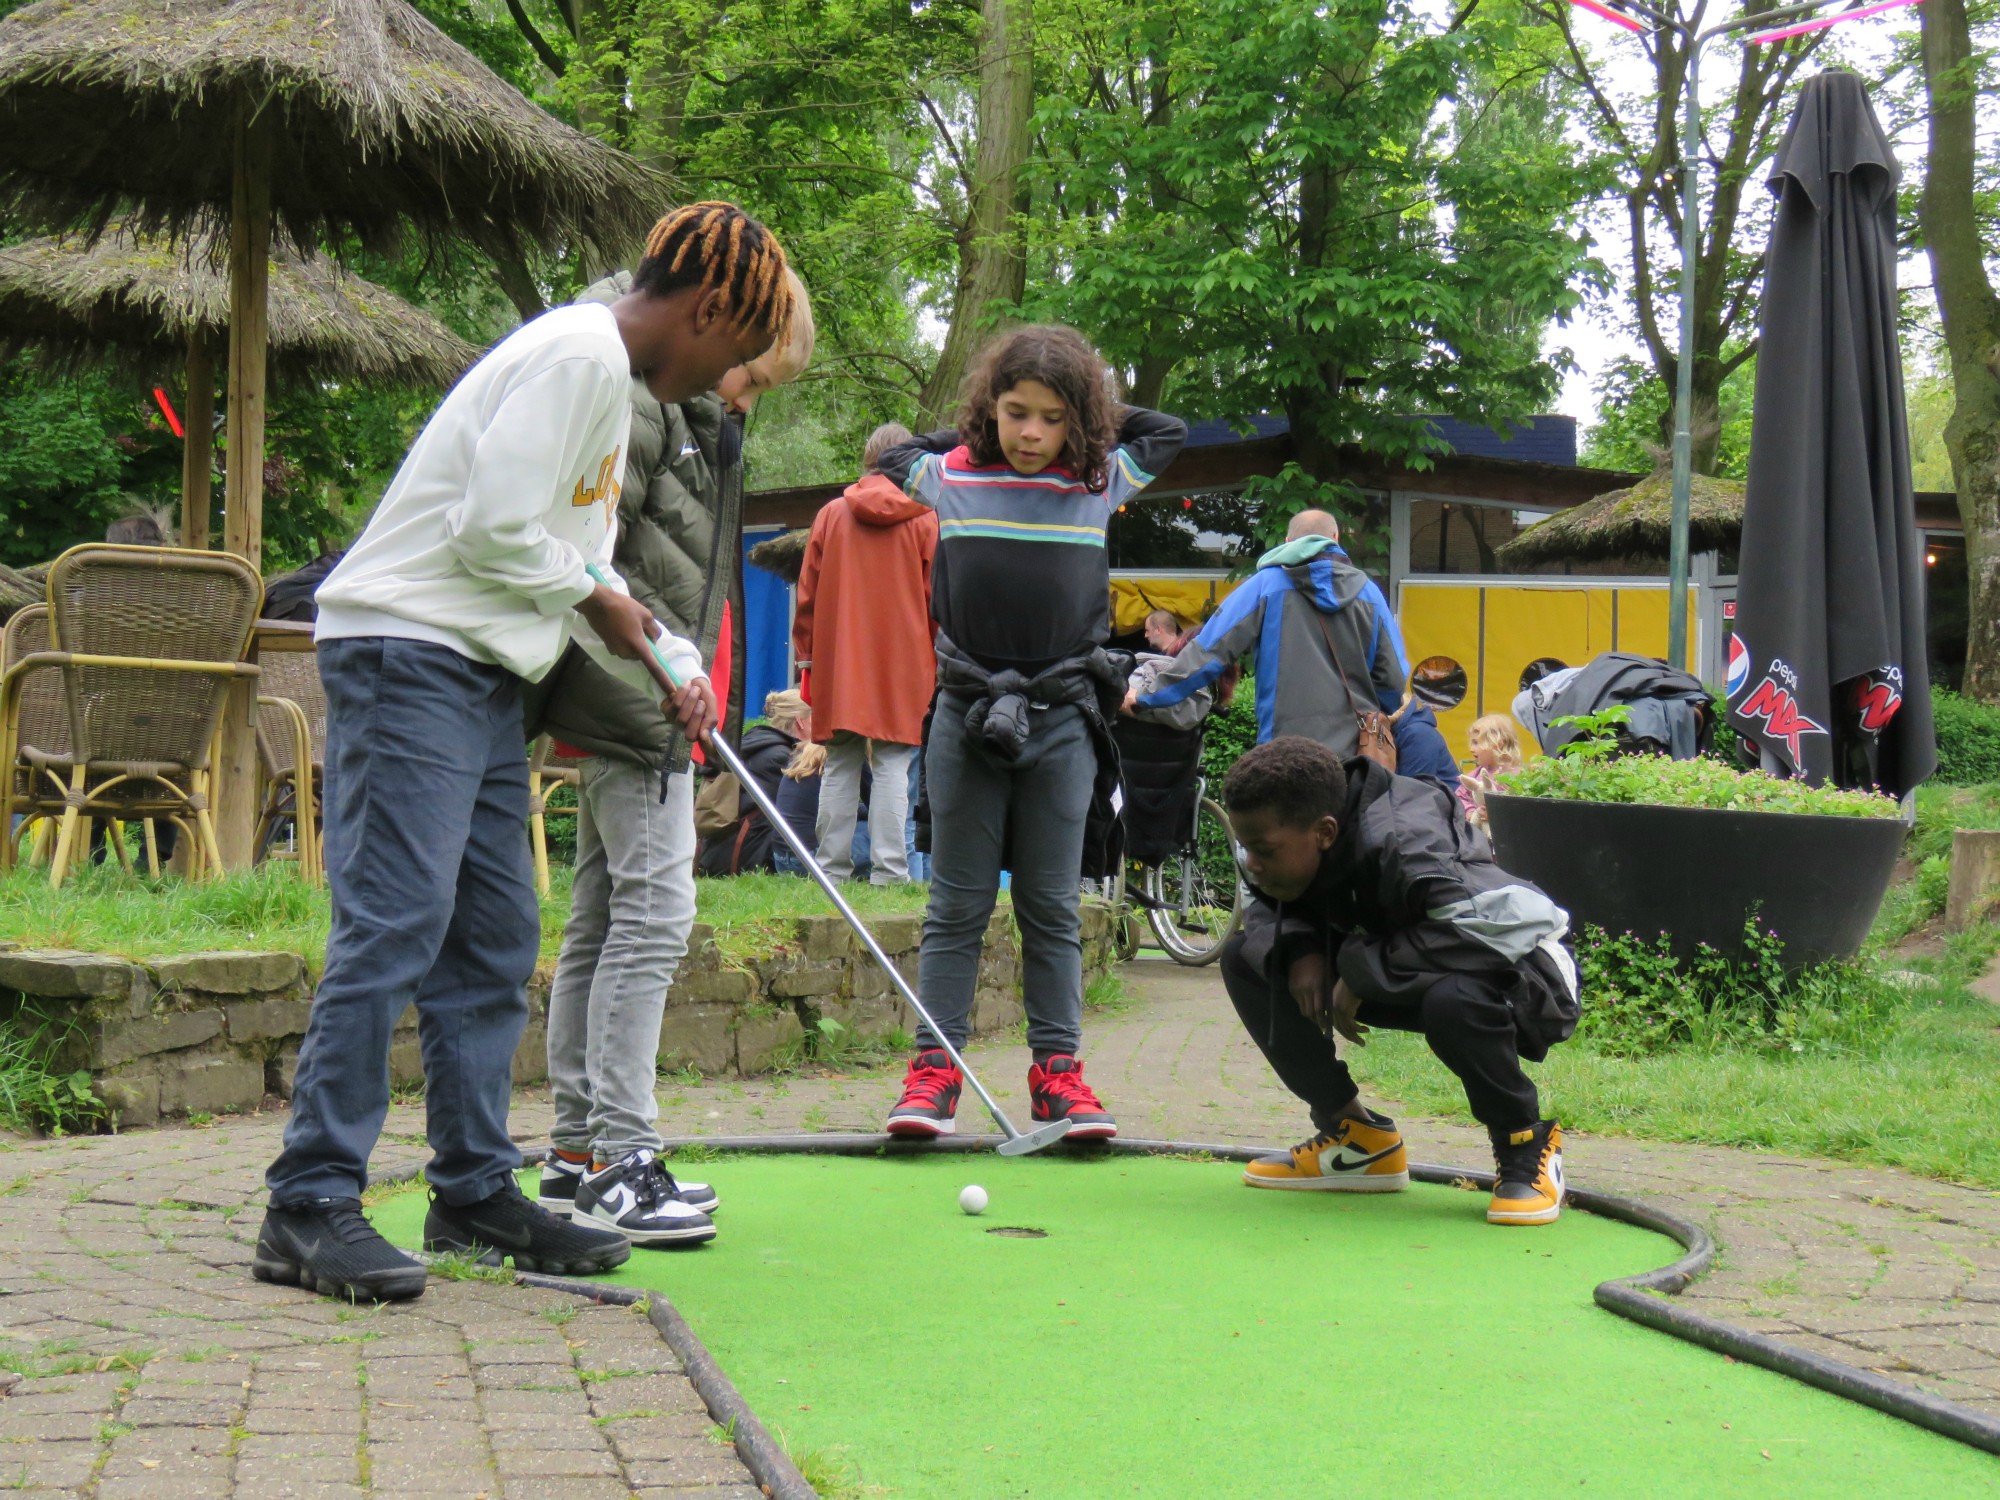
(1228, 733)
(1933, 887)
(36, 1093)
(1968, 738)
(1641, 998)
(1657, 781)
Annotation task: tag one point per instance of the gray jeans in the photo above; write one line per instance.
(1036, 809)
(888, 807)
(631, 911)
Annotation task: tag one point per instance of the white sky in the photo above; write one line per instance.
(1595, 338)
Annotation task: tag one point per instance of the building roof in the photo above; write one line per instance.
(1549, 439)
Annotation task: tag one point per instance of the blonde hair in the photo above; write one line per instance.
(880, 441)
(786, 708)
(807, 760)
(1496, 732)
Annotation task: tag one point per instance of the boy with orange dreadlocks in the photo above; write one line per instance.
(472, 576)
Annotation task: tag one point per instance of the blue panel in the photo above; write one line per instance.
(767, 627)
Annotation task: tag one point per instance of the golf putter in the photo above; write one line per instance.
(1016, 1143)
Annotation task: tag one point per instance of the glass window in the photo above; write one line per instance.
(1460, 538)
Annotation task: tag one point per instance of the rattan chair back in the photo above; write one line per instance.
(293, 675)
(156, 603)
(44, 718)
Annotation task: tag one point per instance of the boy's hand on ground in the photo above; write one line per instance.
(693, 708)
(1308, 979)
(627, 629)
(1346, 1006)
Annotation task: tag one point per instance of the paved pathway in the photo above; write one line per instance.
(171, 1374)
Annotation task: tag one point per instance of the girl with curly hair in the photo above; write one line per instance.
(1019, 749)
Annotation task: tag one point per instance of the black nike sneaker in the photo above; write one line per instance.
(507, 1226)
(636, 1196)
(1357, 1156)
(328, 1245)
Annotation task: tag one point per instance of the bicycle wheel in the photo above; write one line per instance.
(1124, 920)
(1195, 895)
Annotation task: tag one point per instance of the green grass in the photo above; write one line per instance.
(106, 911)
(1924, 1097)
(1176, 1334)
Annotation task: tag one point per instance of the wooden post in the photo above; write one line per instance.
(236, 790)
(198, 455)
(1974, 890)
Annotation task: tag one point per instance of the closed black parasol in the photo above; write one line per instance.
(1827, 676)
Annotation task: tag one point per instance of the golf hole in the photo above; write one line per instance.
(1018, 1232)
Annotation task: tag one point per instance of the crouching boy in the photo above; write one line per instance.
(1375, 906)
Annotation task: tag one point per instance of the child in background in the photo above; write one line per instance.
(1496, 750)
(1020, 754)
(1376, 906)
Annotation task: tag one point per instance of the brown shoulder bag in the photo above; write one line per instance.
(1375, 735)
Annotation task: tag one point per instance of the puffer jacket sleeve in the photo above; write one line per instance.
(1449, 908)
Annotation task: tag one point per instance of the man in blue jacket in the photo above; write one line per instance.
(1327, 650)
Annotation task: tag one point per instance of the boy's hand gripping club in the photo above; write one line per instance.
(1016, 1142)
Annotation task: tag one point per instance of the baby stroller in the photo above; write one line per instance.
(1180, 861)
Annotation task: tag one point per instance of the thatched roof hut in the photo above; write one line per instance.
(784, 554)
(17, 591)
(377, 120)
(73, 302)
(1631, 525)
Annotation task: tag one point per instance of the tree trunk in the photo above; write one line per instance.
(993, 244)
(1150, 379)
(1971, 314)
(517, 282)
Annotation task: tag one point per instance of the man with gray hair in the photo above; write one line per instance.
(862, 632)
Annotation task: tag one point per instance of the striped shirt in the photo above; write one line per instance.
(1021, 578)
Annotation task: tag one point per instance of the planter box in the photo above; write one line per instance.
(1695, 872)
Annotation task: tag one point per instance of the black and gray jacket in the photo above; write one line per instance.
(1408, 895)
(680, 524)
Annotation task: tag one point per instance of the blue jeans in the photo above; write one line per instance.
(1035, 808)
(433, 905)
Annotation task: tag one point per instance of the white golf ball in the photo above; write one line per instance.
(972, 1199)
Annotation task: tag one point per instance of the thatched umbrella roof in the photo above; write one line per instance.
(378, 120)
(784, 554)
(18, 592)
(72, 301)
(1633, 524)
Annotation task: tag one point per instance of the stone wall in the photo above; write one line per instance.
(206, 1033)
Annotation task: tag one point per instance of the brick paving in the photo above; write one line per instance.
(163, 1372)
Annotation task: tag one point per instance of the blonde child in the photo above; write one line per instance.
(1496, 750)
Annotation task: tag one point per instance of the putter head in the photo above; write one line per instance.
(1034, 1140)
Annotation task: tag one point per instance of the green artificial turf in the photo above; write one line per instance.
(1177, 1334)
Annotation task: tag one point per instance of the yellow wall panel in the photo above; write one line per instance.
(1443, 620)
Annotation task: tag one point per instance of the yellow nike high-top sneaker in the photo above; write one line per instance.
(1356, 1156)
(1530, 1186)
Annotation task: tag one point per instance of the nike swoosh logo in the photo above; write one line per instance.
(1346, 1162)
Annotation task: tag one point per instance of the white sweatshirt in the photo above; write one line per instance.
(481, 541)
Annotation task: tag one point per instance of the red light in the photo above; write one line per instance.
(167, 410)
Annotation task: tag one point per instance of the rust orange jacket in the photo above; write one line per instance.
(864, 613)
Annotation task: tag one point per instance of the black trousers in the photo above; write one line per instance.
(1466, 1020)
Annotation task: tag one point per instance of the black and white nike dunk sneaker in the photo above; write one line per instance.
(635, 1197)
(561, 1175)
(507, 1226)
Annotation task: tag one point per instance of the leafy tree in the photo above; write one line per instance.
(1956, 76)
(1633, 406)
(1336, 211)
(1640, 130)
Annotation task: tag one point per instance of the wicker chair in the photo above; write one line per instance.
(44, 729)
(148, 641)
(546, 772)
(291, 734)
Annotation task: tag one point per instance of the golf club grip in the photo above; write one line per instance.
(717, 746)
